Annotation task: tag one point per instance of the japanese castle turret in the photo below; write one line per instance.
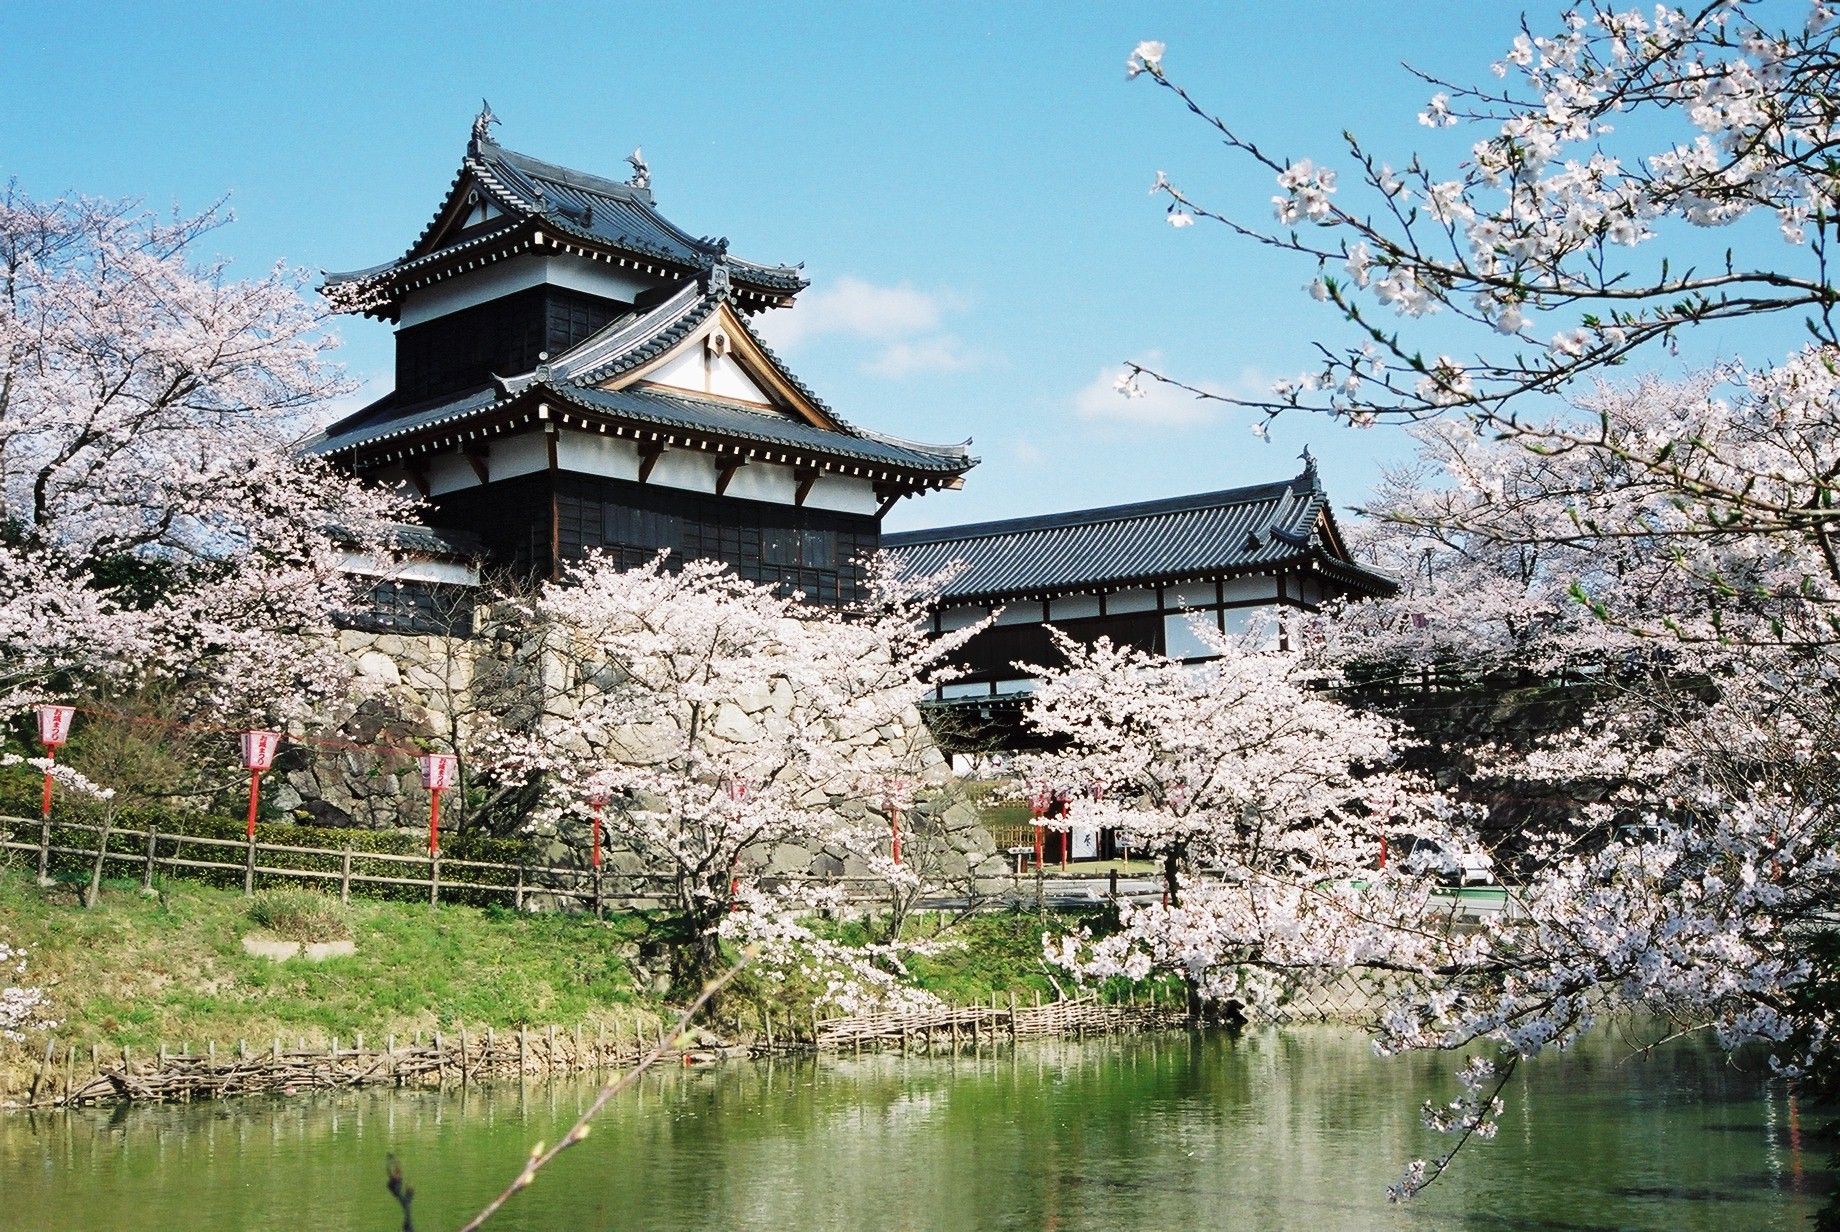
(576, 372)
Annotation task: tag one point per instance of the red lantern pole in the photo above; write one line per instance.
(439, 772)
(44, 807)
(53, 731)
(597, 832)
(258, 755)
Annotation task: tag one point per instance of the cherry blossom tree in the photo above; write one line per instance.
(1269, 804)
(1557, 236)
(1674, 538)
(733, 732)
(22, 1006)
(154, 511)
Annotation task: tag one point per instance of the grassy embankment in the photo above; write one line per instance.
(171, 969)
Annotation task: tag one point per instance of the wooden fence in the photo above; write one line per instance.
(65, 1076)
(1004, 1020)
(150, 851)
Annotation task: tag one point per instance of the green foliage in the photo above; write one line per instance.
(300, 915)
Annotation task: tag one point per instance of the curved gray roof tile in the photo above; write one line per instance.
(1251, 529)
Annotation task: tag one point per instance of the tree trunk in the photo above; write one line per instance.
(102, 849)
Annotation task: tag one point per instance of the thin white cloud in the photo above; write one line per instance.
(942, 353)
(1162, 405)
(858, 308)
(903, 323)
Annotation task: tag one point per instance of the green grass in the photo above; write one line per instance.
(143, 971)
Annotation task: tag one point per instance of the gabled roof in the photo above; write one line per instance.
(599, 383)
(1265, 528)
(539, 205)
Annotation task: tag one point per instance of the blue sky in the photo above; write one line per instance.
(966, 186)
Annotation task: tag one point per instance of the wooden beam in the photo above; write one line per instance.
(479, 458)
(648, 458)
(726, 471)
(418, 474)
(889, 494)
(807, 476)
(549, 438)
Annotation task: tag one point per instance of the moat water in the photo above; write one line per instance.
(1268, 1130)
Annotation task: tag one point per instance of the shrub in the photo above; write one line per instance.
(300, 915)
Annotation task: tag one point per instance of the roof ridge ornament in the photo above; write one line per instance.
(482, 125)
(642, 174)
(717, 280)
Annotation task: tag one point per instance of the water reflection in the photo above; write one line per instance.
(1294, 1129)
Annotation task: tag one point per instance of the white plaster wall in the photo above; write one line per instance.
(960, 617)
(692, 370)
(765, 481)
(519, 455)
(1239, 590)
(591, 453)
(366, 565)
(727, 379)
(1130, 601)
(682, 371)
(687, 469)
(449, 472)
(517, 274)
(1193, 594)
(842, 494)
(1073, 607)
(1021, 612)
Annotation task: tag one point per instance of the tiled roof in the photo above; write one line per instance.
(671, 408)
(569, 204)
(637, 338)
(623, 345)
(1262, 528)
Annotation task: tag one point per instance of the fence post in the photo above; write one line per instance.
(434, 880)
(519, 904)
(345, 877)
(597, 892)
(153, 840)
(249, 866)
(44, 846)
